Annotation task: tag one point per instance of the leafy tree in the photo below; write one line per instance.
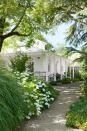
(74, 12)
(24, 18)
(30, 17)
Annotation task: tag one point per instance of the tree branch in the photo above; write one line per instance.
(11, 33)
(14, 33)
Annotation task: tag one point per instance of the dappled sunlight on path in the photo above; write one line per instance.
(54, 118)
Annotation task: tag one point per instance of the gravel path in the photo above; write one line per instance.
(53, 119)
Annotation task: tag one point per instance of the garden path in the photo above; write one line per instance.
(53, 119)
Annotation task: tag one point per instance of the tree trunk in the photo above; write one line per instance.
(2, 22)
(1, 43)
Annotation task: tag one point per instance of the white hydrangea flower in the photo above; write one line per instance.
(38, 113)
(43, 89)
(52, 99)
(43, 84)
(26, 93)
(30, 113)
(36, 97)
(28, 117)
(37, 101)
(34, 89)
(31, 95)
(48, 92)
(37, 87)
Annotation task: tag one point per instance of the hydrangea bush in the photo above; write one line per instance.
(38, 94)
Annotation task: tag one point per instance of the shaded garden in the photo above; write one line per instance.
(22, 95)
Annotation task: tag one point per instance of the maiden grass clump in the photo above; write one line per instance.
(12, 105)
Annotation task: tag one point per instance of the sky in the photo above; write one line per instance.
(58, 37)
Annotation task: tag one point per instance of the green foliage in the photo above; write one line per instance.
(53, 83)
(2, 63)
(48, 47)
(84, 87)
(77, 74)
(77, 115)
(83, 73)
(22, 98)
(38, 94)
(30, 17)
(66, 80)
(18, 62)
(73, 11)
(62, 50)
(12, 106)
(20, 18)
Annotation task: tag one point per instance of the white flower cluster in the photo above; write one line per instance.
(37, 96)
(40, 84)
(40, 102)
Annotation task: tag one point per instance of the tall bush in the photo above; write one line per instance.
(18, 62)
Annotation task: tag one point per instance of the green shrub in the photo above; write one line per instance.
(38, 94)
(54, 83)
(18, 62)
(77, 74)
(66, 80)
(77, 115)
(75, 79)
(84, 87)
(12, 106)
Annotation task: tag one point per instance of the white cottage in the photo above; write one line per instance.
(44, 64)
(47, 64)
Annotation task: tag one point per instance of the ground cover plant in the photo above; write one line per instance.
(77, 115)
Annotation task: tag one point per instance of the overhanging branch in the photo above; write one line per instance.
(11, 33)
(14, 33)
